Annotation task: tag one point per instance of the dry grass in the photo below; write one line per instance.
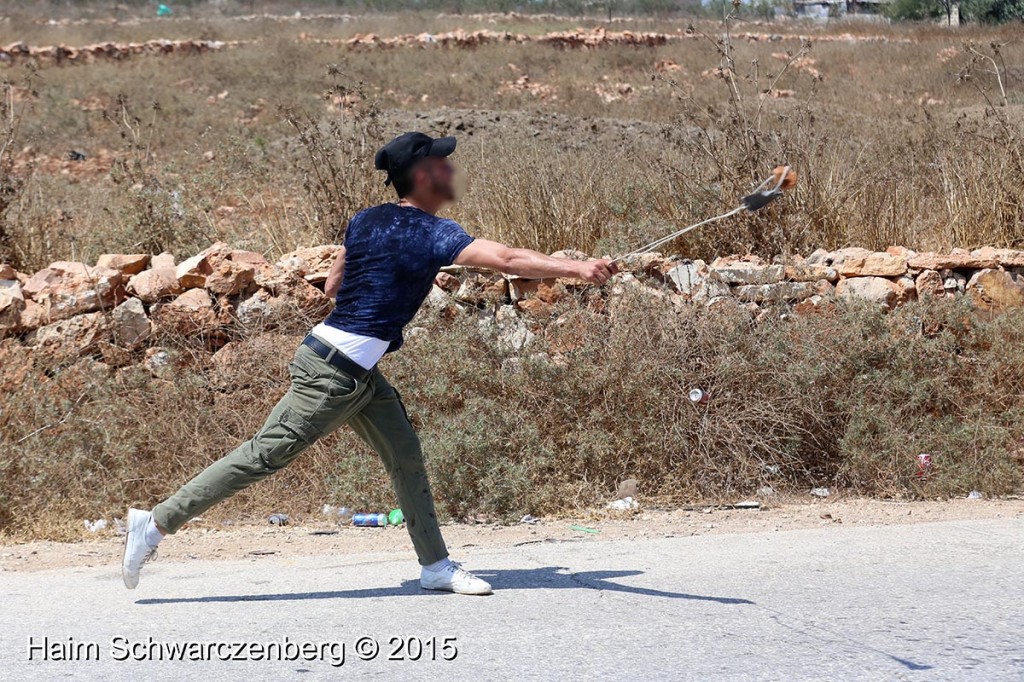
(896, 142)
(540, 436)
(269, 147)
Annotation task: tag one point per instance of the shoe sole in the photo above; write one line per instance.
(454, 591)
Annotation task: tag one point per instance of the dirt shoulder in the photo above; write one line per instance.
(203, 541)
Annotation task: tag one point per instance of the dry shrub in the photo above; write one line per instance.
(542, 434)
(337, 166)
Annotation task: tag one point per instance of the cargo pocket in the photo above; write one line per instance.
(295, 435)
(300, 426)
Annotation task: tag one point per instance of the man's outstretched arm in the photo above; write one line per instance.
(533, 264)
(335, 276)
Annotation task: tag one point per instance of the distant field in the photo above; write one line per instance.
(906, 139)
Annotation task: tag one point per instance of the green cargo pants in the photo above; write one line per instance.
(322, 398)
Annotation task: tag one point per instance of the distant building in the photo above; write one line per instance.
(834, 9)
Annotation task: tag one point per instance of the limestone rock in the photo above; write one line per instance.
(1007, 258)
(298, 292)
(687, 277)
(908, 289)
(447, 282)
(815, 305)
(129, 324)
(873, 289)
(192, 272)
(652, 264)
(33, 316)
(534, 307)
(437, 299)
(155, 284)
(158, 362)
(711, 290)
(229, 277)
(548, 290)
(930, 285)
(68, 288)
(863, 263)
(257, 260)
(67, 338)
(312, 263)
(996, 290)
(805, 272)
(126, 264)
(190, 313)
(570, 254)
(12, 302)
(958, 259)
(477, 289)
(163, 260)
(513, 334)
(750, 271)
(775, 293)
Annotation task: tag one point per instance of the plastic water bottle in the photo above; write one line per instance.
(373, 520)
(343, 515)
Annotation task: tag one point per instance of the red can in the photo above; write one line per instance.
(924, 465)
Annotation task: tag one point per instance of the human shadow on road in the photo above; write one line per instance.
(548, 577)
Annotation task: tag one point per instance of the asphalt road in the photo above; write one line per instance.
(941, 601)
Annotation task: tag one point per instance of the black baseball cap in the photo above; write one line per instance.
(404, 151)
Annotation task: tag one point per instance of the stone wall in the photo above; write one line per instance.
(124, 302)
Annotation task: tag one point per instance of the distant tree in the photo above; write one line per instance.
(917, 10)
(993, 11)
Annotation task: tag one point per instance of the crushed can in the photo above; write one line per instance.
(698, 396)
(924, 465)
(370, 520)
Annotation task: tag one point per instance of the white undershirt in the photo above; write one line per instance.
(365, 351)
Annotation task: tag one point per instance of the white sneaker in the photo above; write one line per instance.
(453, 578)
(136, 550)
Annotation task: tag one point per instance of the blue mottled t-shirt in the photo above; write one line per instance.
(392, 255)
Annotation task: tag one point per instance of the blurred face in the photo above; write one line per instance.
(435, 177)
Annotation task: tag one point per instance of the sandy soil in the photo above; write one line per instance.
(204, 541)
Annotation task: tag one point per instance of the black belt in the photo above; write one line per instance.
(336, 358)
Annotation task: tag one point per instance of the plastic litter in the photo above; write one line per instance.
(163, 10)
(278, 519)
(625, 504)
(343, 515)
(95, 526)
(530, 519)
(396, 517)
(975, 495)
(819, 492)
(584, 529)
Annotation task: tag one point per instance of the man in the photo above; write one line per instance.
(391, 255)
